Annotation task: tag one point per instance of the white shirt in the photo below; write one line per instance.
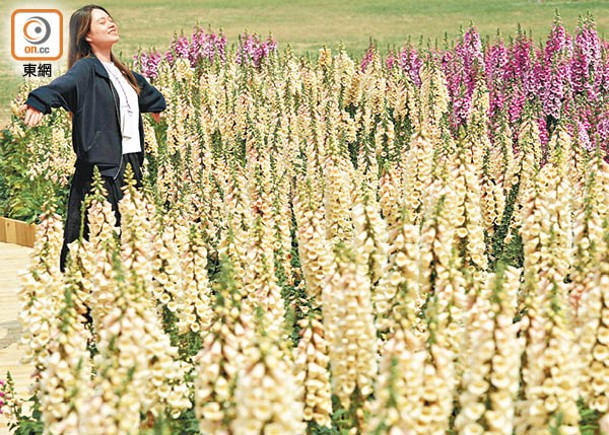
(129, 109)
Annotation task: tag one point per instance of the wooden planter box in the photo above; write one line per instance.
(17, 232)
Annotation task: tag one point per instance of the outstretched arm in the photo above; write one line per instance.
(61, 92)
(150, 99)
(32, 116)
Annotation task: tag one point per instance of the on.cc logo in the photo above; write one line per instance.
(36, 30)
(36, 34)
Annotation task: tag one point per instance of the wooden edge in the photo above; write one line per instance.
(17, 232)
(2, 230)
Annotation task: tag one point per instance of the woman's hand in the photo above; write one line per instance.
(156, 117)
(32, 116)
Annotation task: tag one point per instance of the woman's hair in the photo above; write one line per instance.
(80, 24)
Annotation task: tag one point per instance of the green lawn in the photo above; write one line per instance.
(307, 25)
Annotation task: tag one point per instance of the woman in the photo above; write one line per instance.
(106, 100)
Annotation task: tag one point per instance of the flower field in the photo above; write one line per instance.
(414, 242)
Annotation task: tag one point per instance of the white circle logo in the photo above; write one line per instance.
(36, 30)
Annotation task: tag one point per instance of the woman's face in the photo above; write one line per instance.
(103, 31)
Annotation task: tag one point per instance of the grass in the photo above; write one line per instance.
(308, 25)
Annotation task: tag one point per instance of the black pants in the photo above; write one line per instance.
(81, 187)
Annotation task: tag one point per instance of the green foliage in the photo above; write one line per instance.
(589, 419)
(22, 197)
(344, 420)
(512, 252)
(28, 425)
(185, 424)
(188, 344)
(556, 423)
(23, 424)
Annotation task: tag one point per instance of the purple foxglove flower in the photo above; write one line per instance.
(516, 105)
(461, 70)
(586, 65)
(496, 67)
(583, 137)
(368, 57)
(520, 55)
(147, 63)
(554, 92)
(411, 64)
(206, 46)
(544, 137)
(253, 51)
(557, 77)
(390, 61)
(602, 129)
(179, 48)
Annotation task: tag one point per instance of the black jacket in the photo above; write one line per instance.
(87, 92)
